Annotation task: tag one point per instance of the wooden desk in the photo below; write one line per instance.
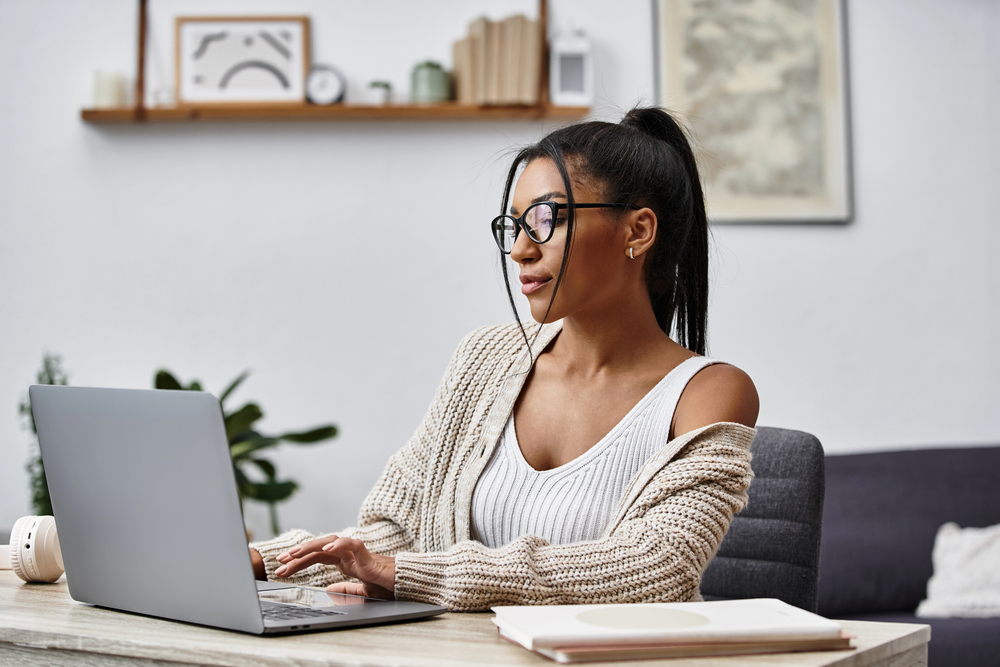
(41, 625)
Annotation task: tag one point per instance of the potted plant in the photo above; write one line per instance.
(51, 372)
(246, 445)
(380, 92)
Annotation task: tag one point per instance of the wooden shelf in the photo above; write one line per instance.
(303, 111)
(295, 112)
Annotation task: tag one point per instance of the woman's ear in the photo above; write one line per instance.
(641, 231)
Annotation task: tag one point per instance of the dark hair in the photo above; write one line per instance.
(646, 161)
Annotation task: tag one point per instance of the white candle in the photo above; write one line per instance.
(109, 89)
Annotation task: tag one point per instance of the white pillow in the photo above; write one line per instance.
(966, 579)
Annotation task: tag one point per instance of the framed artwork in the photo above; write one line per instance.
(762, 85)
(241, 59)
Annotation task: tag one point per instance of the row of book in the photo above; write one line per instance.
(499, 62)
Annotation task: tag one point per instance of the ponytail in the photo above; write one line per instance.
(680, 295)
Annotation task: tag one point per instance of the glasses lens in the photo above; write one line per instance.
(504, 232)
(538, 222)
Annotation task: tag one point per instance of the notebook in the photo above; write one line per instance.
(149, 520)
(585, 633)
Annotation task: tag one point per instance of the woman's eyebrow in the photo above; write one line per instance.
(548, 196)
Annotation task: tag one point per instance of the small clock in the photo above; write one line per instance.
(325, 85)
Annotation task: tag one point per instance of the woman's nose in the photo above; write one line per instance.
(524, 250)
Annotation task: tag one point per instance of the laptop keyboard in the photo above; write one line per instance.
(284, 612)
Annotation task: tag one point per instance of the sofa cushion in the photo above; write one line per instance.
(881, 514)
(966, 579)
(955, 642)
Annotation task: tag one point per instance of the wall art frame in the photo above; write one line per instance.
(763, 89)
(232, 60)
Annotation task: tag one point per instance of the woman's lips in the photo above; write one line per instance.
(530, 284)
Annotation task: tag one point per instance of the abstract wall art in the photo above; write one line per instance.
(241, 59)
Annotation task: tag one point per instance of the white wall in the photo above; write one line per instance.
(343, 261)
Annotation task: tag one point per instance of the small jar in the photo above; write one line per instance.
(429, 83)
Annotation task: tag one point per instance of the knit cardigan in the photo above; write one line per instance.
(666, 529)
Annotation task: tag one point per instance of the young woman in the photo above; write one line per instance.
(585, 458)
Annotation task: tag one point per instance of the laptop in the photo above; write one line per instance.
(149, 520)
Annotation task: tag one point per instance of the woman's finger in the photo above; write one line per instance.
(347, 588)
(297, 564)
(306, 547)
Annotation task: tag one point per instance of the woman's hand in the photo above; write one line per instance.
(376, 573)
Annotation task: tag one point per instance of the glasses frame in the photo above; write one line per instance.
(519, 223)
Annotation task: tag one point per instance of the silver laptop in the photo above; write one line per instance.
(149, 521)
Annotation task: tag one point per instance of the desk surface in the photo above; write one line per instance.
(38, 616)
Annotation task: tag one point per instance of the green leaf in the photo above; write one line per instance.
(240, 421)
(194, 386)
(242, 449)
(242, 482)
(266, 467)
(245, 435)
(233, 385)
(271, 492)
(315, 435)
(164, 380)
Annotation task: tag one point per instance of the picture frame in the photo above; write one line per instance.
(763, 90)
(241, 59)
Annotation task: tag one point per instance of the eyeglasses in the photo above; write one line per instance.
(538, 222)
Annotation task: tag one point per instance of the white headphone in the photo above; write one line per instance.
(35, 554)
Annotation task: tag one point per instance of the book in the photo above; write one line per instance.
(462, 70)
(494, 63)
(582, 633)
(479, 33)
(512, 29)
(568, 655)
(530, 64)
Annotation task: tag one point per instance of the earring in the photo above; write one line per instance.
(631, 256)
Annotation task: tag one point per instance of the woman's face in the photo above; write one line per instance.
(595, 274)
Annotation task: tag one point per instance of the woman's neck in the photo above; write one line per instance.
(620, 336)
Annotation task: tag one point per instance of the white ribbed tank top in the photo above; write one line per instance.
(574, 502)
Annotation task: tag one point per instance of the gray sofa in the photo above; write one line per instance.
(880, 517)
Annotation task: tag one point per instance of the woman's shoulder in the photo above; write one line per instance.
(719, 392)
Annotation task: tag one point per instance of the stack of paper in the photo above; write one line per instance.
(588, 633)
(499, 62)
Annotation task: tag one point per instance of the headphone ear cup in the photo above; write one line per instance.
(35, 554)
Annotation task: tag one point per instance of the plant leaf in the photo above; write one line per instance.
(271, 492)
(266, 467)
(240, 421)
(194, 386)
(165, 380)
(233, 385)
(242, 482)
(242, 449)
(315, 435)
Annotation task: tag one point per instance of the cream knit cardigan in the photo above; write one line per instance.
(667, 527)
